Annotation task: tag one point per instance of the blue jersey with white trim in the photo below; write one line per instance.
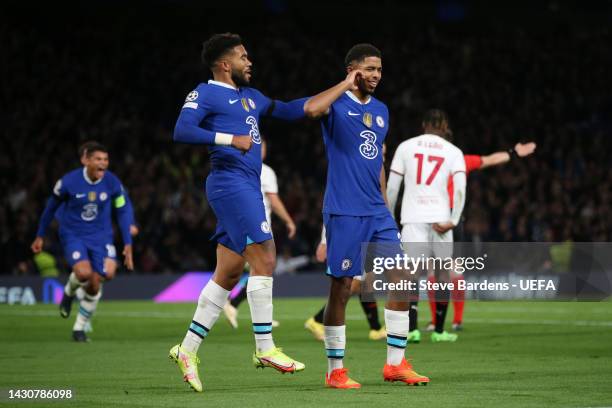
(221, 108)
(86, 206)
(354, 134)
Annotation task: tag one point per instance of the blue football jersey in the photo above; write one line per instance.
(86, 206)
(354, 133)
(221, 108)
(129, 208)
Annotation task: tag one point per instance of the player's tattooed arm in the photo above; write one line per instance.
(319, 104)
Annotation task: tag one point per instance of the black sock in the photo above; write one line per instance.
(413, 315)
(371, 311)
(319, 316)
(442, 298)
(239, 297)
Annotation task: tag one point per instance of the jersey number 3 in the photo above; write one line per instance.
(439, 160)
(368, 149)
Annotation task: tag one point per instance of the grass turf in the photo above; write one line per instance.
(511, 354)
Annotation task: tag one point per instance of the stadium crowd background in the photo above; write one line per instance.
(118, 74)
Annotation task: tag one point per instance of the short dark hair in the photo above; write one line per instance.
(217, 45)
(359, 52)
(435, 118)
(85, 147)
(93, 147)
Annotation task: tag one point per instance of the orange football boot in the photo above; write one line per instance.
(339, 379)
(403, 372)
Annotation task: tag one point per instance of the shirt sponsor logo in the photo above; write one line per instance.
(368, 148)
(90, 212)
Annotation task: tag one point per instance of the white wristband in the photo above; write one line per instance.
(223, 139)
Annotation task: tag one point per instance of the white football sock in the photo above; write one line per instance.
(398, 323)
(210, 303)
(335, 343)
(87, 307)
(72, 285)
(259, 295)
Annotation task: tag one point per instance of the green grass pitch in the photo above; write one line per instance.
(511, 354)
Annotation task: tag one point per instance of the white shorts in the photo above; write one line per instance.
(426, 241)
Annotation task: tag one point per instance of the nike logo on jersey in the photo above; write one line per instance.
(353, 113)
(233, 101)
(80, 195)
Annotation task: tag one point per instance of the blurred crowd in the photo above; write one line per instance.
(123, 85)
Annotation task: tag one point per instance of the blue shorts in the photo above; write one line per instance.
(95, 251)
(241, 220)
(345, 234)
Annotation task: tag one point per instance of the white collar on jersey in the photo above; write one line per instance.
(88, 180)
(353, 97)
(223, 84)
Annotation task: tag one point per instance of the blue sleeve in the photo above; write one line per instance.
(47, 216)
(292, 110)
(328, 121)
(59, 195)
(125, 215)
(130, 209)
(187, 128)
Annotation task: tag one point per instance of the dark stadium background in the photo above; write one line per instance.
(118, 72)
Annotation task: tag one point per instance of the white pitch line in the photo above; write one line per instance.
(245, 316)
